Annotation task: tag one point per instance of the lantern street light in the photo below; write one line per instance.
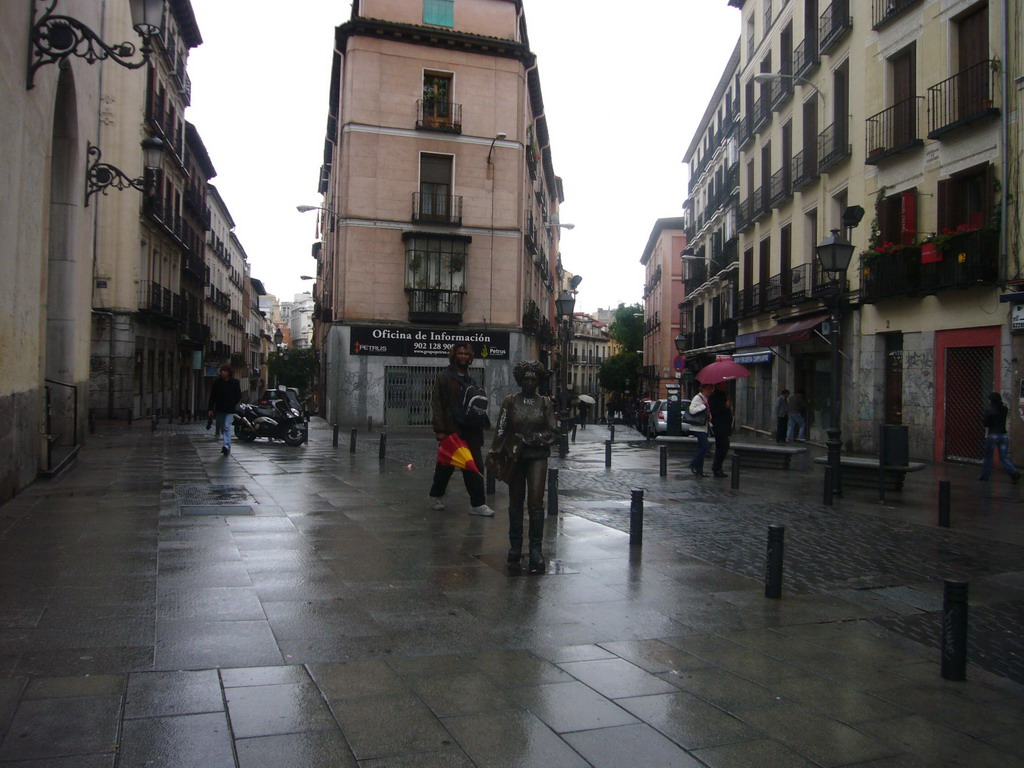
(835, 253)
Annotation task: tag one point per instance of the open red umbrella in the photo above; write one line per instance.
(722, 370)
(453, 451)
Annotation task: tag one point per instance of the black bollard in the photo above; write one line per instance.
(490, 483)
(352, 440)
(663, 461)
(383, 446)
(611, 431)
(563, 446)
(607, 453)
(153, 420)
(954, 630)
(828, 487)
(773, 568)
(944, 503)
(334, 440)
(636, 517)
(552, 492)
(369, 423)
(734, 473)
(574, 425)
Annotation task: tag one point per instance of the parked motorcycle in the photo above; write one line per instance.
(277, 421)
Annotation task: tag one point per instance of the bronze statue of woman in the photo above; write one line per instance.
(520, 451)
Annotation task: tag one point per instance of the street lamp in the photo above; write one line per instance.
(565, 304)
(680, 342)
(100, 176)
(775, 77)
(835, 253)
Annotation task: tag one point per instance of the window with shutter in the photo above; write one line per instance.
(440, 13)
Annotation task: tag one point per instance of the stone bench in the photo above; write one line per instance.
(860, 472)
(761, 455)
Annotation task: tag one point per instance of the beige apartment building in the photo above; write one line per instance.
(588, 351)
(440, 218)
(663, 292)
(887, 122)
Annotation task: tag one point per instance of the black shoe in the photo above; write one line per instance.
(720, 474)
(697, 472)
(514, 556)
(537, 562)
(225, 450)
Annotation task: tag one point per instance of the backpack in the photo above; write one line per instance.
(471, 409)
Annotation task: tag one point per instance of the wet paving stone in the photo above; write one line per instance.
(322, 749)
(63, 727)
(186, 740)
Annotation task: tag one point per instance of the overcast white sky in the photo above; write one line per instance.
(625, 85)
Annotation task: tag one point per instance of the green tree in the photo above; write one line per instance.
(620, 372)
(628, 327)
(293, 368)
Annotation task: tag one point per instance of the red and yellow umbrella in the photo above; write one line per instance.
(453, 451)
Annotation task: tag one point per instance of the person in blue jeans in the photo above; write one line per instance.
(797, 408)
(699, 405)
(225, 395)
(994, 419)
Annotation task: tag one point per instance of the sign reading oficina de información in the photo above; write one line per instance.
(425, 342)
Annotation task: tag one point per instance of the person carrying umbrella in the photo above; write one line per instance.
(721, 424)
(699, 405)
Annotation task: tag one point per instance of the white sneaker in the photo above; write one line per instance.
(483, 510)
(436, 503)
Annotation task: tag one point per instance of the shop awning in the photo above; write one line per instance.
(752, 356)
(790, 331)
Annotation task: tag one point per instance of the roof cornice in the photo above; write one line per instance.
(434, 37)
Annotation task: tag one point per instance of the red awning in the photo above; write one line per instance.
(790, 331)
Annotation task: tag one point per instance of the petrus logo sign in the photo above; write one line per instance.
(425, 342)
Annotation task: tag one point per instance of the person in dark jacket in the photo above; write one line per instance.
(720, 407)
(445, 402)
(994, 419)
(225, 395)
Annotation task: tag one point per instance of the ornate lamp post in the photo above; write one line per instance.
(834, 253)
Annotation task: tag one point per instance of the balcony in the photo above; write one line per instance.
(198, 332)
(194, 267)
(762, 113)
(748, 301)
(431, 305)
(434, 115)
(745, 214)
(805, 56)
(833, 146)
(745, 131)
(761, 207)
(799, 284)
(782, 90)
(966, 259)
(893, 130)
(440, 209)
(834, 23)
(723, 333)
(804, 167)
(780, 188)
(962, 99)
(732, 177)
(883, 11)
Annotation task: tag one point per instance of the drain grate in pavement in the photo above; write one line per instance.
(204, 499)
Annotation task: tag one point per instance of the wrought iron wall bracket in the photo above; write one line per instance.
(99, 177)
(53, 38)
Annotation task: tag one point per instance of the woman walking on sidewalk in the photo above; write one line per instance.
(994, 419)
(225, 395)
(699, 409)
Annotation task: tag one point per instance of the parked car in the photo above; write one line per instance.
(642, 417)
(659, 419)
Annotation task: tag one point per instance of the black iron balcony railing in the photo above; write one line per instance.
(781, 188)
(159, 299)
(179, 306)
(883, 11)
(723, 333)
(198, 331)
(804, 167)
(823, 285)
(961, 99)
(744, 214)
(748, 301)
(761, 205)
(805, 56)
(698, 339)
(773, 292)
(762, 111)
(437, 115)
(782, 89)
(431, 305)
(893, 130)
(745, 131)
(732, 177)
(444, 209)
(799, 283)
(966, 259)
(833, 25)
(833, 146)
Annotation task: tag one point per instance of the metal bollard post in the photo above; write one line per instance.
(954, 630)
(773, 568)
(352, 440)
(490, 482)
(828, 487)
(574, 425)
(383, 446)
(552, 492)
(153, 419)
(663, 461)
(636, 517)
(734, 473)
(369, 423)
(563, 446)
(607, 453)
(334, 440)
(611, 431)
(944, 503)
